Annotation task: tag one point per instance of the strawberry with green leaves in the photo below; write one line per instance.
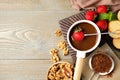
(102, 24)
(90, 15)
(101, 9)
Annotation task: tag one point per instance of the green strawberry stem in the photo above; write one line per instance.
(77, 29)
(108, 8)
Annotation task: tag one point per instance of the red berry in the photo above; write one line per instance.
(78, 36)
(90, 15)
(102, 24)
(101, 9)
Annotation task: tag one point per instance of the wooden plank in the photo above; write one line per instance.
(24, 69)
(37, 69)
(35, 5)
(29, 35)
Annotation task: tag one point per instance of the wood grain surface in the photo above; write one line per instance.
(27, 34)
(35, 5)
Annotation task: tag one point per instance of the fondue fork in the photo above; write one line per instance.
(93, 34)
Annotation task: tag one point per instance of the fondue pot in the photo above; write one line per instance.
(81, 54)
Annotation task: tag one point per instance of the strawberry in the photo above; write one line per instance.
(78, 35)
(102, 24)
(101, 9)
(90, 15)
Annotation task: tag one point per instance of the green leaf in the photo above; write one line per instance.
(103, 16)
(108, 16)
(112, 16)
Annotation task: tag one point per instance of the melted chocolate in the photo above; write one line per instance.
(88, 41)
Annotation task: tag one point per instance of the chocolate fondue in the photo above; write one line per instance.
(89, 41)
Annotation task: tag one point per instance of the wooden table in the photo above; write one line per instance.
(26, 36)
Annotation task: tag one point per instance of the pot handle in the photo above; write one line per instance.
(78, 69)
(78, 66)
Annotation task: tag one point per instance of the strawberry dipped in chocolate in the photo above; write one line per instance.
(78, 34)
